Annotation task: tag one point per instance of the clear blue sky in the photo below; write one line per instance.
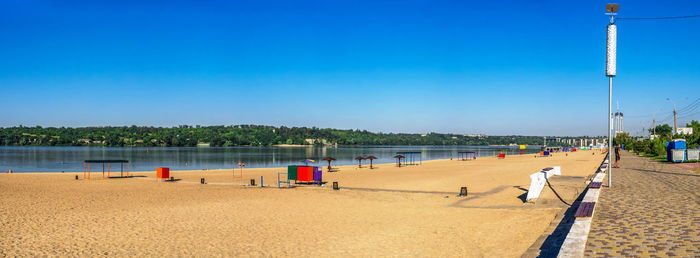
(492, 67)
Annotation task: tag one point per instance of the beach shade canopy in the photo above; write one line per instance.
(87, 167)
(466, 155)
(399, 158)
(307, 161)
(329, 159)
(412, 157)
(240, 164)
(359, 160)
(371, 158)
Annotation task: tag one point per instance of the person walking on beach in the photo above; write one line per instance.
(617, 156)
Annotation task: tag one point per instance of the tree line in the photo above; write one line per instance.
(236, 135)
(656, 147)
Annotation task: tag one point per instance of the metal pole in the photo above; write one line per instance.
(610, 130)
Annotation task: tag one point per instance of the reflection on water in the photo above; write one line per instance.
(57, 159)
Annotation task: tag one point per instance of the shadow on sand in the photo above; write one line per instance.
(117, 177)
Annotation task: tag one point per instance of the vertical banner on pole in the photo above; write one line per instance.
(611, 62)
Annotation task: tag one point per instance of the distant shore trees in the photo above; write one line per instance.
(236, 135)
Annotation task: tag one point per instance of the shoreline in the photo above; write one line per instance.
(318, 163)
(225, 169)
(235, 168)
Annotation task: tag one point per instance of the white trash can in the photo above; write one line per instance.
(693, 154)
(678, 155)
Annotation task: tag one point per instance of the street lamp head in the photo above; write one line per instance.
(612, 8)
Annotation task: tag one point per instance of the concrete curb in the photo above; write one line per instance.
(575, 243)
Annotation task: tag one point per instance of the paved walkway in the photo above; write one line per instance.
(653, 209)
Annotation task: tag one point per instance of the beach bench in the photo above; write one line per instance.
(538, 180)
(603, 168)
(585, 209)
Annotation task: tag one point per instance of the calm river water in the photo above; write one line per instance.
(70, 159)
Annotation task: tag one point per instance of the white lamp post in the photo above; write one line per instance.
(610, 72)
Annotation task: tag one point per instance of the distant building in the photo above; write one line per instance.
(578, 141)
(619, 123)
(317, 141)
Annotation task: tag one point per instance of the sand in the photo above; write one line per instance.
(387, 211)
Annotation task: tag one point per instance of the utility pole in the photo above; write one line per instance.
(675, 121)
(675, 117)
(610, 72)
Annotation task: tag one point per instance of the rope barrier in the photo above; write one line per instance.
(555, 192)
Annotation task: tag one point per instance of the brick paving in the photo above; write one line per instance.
(653, 210)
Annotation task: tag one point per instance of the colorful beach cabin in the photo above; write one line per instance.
(304, 174)
(162, 173)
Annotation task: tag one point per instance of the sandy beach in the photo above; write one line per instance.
(387, 211)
